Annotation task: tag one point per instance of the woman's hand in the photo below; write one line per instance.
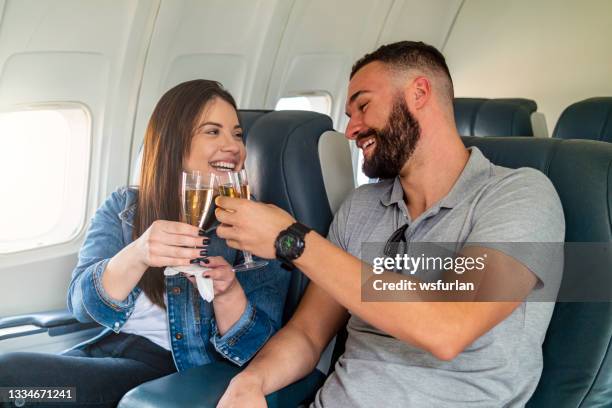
(169, 243)
(230, 301)
(222, 275)
(162, 244)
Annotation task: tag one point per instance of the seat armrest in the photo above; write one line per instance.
(54, 322)
(44, 320)
(203, 387)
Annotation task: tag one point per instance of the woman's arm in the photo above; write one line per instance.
(123, 272)
(87, 299)
(245, 321)
(230, 301)
(164, 243)
(108, 270)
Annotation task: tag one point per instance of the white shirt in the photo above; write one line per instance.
(150, 321)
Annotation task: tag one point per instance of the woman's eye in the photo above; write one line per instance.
(363, 106)
(238, 135)
(213, 132)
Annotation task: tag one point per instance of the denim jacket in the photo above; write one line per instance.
(194, 337)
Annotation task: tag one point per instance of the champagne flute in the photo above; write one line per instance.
(197, 193)
(235, 184)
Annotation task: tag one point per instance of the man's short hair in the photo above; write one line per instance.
(406, 55)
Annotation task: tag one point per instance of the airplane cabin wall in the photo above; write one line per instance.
(414, 20)
(554, 52)
(320, 44)
(55, 52)
(323, 40)
(231, 42)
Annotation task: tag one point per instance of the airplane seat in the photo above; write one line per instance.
(495, 117)
(296, 161)
(587, 119)
(577, 350)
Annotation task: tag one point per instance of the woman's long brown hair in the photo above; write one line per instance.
(167, 141)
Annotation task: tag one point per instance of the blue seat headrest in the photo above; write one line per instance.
(587, 119)
(494, 117)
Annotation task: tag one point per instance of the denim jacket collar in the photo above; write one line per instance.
(129, 211)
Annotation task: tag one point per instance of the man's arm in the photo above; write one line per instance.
(291, 354)
(444, 329)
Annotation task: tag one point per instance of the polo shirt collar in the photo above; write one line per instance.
(475, 171)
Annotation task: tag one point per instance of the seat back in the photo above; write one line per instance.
(296, 161)
(494, 117)
(249, 116)
(588, 119)
(577, 349)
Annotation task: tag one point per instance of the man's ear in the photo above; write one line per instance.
(418, 93)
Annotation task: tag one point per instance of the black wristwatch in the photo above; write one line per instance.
(290, 244)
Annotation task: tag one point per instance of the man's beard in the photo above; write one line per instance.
(395, 143)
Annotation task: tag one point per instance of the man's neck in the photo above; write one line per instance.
(433, 170)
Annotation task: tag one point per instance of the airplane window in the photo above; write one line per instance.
(361, 178)
(44, 162)
(314, 101)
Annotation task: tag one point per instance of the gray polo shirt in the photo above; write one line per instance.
(487, 204)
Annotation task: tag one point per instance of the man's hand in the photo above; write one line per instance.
(251, 226)
(244, 391)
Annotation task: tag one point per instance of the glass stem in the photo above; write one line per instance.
(248, 258)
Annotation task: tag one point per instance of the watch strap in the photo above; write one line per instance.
(300, 229)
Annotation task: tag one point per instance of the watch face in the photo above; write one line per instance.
(289, 246)
(287, 243)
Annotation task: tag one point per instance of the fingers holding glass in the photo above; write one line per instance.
(236, 185)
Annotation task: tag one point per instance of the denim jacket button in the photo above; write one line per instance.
(178, 336)
(176, 290)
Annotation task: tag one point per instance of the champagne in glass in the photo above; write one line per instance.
(197, 193)
(229, 191)
(244, 184)
(235, 184)
(197, 205)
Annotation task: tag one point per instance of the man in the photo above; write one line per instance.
(413, 353)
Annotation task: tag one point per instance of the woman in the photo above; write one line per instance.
(155, 325)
